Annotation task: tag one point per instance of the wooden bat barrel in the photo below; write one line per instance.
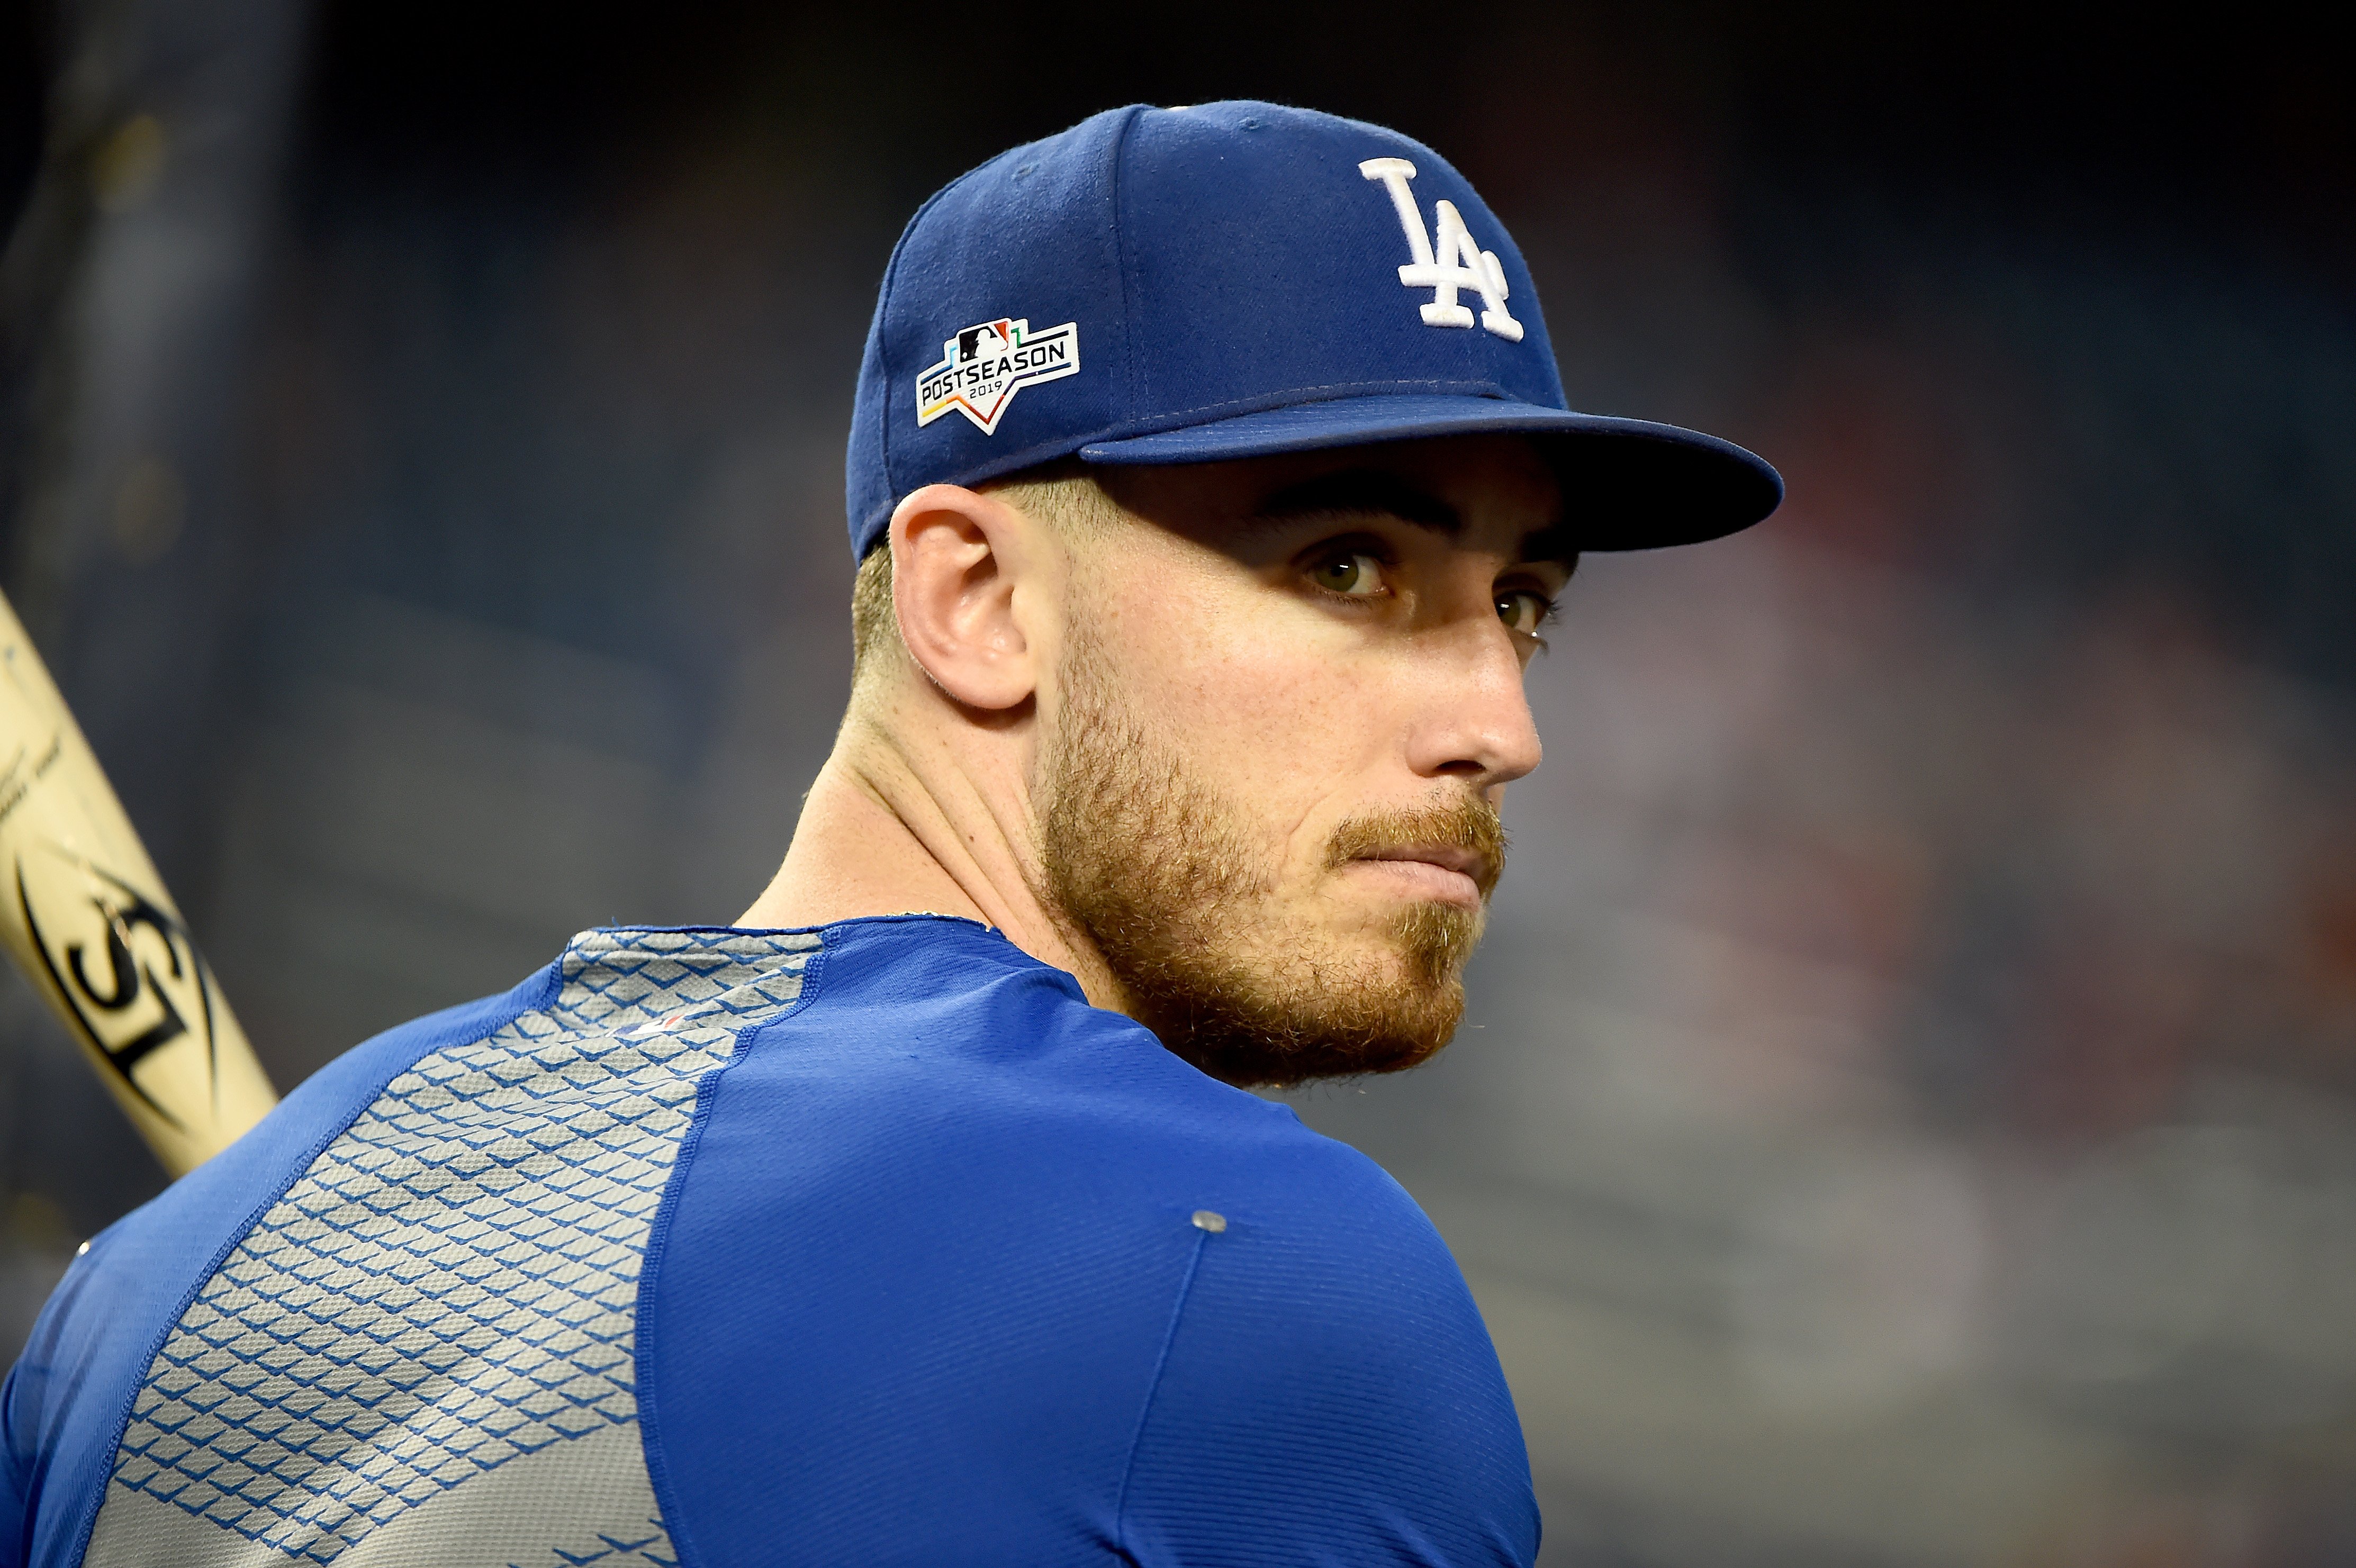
(86, 919)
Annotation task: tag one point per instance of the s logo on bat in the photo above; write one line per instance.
(126, 966)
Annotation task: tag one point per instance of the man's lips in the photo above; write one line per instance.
(1470, 862)
(1444, 871)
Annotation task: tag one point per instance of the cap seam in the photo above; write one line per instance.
(1337, 391)
(1122, 260)
(883, 332)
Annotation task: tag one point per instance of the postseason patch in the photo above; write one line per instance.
(984, 365)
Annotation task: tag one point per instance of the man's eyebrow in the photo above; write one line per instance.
(1370, 492)
(1361, 491)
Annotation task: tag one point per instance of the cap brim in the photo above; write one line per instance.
(1627, 484)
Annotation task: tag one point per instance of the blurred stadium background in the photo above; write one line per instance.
(1908, 1115)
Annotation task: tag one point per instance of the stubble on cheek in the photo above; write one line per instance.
(1163, 875)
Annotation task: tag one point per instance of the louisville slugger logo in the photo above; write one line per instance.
(985, 365)
(129, 972)
(1447, 263)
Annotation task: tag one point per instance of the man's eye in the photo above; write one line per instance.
(1523, 610)
(1353, 572)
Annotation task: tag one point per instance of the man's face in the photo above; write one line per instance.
(1286, 706)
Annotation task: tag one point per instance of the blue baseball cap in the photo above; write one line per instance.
(1236, 280)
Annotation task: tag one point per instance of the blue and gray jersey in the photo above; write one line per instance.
(868, 1245)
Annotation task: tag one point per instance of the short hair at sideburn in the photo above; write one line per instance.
(1063, 494)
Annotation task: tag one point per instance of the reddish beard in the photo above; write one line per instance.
(1157, 871)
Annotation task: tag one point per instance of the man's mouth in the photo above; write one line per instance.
(1444, 854)
(1444, 873)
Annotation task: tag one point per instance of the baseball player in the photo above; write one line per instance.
(1211, 482)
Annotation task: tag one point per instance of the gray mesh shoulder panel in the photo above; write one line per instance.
(423, 1354)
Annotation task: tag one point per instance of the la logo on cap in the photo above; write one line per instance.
(1456, 262)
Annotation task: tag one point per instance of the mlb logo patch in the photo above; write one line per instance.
(985, 365)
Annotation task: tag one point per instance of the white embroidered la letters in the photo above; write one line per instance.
(1455, 263)
(985, 365)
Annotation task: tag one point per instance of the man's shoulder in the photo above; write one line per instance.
(158, 1250)
(947, 1208)
(948, 1026)
(939, 1086)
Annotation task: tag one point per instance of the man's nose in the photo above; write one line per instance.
(1473, 712)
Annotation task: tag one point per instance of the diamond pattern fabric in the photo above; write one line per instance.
(452, 1285)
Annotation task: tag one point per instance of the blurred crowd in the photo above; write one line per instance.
(1907, 1113)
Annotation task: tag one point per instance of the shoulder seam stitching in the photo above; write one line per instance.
(1153, 1388)
(644, 1304)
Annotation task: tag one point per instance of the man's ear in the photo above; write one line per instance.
(965, 571)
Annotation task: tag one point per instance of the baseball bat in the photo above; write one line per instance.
(87, 921)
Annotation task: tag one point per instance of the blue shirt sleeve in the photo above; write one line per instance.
(1329, 1395)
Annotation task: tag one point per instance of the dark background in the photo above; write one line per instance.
(1906, 1113)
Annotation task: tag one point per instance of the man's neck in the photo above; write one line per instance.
(880, 836)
